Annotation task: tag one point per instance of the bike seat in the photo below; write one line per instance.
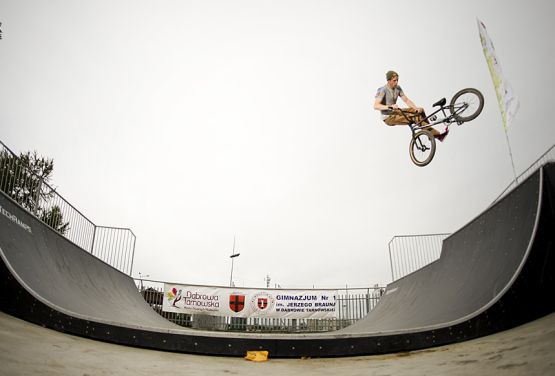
(440, 102)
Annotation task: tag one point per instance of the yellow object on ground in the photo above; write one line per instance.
(257, 356)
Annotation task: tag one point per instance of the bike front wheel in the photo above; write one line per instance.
(422, 148)
(466, 105)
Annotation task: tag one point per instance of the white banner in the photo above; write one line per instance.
(234, 302)
(506, 97)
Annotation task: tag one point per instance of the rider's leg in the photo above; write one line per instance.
(397, 118)
(419, 118)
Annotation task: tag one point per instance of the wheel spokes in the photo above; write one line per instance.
(468, 102)
(423, 145)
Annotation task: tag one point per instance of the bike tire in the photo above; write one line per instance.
(473, 98)
(422, 148)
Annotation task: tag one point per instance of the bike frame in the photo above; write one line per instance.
(422, 146)
(447, 119)
(454, 109)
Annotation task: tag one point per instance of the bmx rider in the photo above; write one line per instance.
(386, 103)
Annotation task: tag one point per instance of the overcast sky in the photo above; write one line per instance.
(192, 122)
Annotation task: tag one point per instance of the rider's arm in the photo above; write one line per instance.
(409, 102)
(378, 103)
(382, 107)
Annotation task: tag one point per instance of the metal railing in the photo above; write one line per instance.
(29, 188)
(548, 156)
(115, 246)
(352, 305)
(408, 253)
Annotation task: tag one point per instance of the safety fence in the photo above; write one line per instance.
(352, 304)
(548, 156)
(24, 179)
(408, 253)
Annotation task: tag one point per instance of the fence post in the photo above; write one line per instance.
(390, 260)
(133, 255)
(37, 199)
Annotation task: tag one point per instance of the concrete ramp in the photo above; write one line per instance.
(495, 273)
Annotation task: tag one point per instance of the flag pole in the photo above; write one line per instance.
(511, 155)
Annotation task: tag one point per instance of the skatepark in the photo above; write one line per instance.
(482, 302)
(178, 127)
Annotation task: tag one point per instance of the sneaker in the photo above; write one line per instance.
(442, 136)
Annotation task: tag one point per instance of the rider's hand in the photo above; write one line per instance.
(393, 106)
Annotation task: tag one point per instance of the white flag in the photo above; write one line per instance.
(506, 97)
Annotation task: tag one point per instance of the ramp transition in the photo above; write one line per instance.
(495, 273)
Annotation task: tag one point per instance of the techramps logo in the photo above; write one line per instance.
(14, 219)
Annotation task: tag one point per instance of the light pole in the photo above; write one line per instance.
(141, 278)
(232, 257)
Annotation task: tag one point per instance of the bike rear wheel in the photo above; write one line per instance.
(422, 148)
(466, 105)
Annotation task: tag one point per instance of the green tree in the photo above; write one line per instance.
(25, 179)
(55, 219)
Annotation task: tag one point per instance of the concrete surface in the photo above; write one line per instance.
(28, 349)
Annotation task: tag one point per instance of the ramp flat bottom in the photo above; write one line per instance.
(28, 349)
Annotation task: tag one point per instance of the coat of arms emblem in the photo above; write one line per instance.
(262, 303)
(237, 302)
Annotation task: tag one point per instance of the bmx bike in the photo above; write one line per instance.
(465, 106)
